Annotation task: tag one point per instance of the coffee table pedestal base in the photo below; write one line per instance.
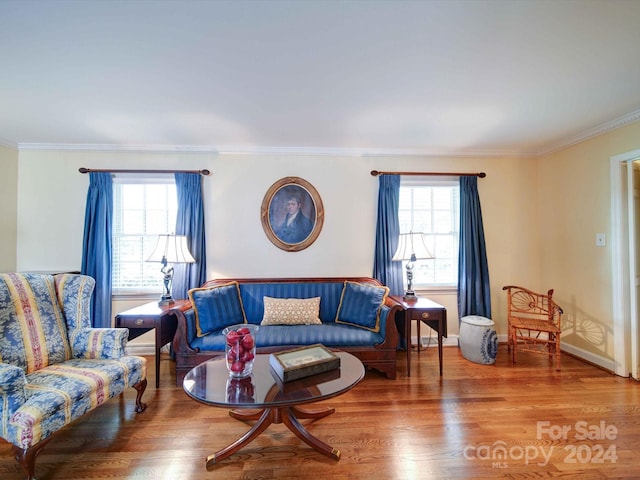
(287, 415)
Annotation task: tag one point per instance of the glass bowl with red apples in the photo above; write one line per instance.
(240, 348)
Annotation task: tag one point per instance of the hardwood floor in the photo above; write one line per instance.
(411, 428)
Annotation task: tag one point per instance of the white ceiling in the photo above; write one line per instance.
(419, 77)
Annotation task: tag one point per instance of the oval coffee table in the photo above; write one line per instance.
(276, 402)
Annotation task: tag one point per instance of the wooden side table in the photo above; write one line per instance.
(141, 319)
(425, 311)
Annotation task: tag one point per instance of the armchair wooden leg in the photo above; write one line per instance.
(141, 386)
(26, 457)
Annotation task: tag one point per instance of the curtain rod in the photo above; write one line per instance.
(87, 170)
(375, 173)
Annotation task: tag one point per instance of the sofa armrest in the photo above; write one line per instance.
(185, 331)
(12, 393)
(388, 326)
(99, 342)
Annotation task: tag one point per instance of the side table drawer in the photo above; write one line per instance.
(136, 322)
(422, 315)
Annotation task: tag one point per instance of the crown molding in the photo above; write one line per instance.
(592, 132)
(369, 152)
(118, 148)
(267, 150)
(334, 151)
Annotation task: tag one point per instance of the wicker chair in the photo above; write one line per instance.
(533, 322)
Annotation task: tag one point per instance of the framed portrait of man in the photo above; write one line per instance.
(292, 214)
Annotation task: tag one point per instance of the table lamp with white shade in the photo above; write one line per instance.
(169, 250)
(411, 247)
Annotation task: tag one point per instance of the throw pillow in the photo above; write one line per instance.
(360, 305)
(291, 311)
(217, 307)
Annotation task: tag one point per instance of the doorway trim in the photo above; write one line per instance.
(621, 281)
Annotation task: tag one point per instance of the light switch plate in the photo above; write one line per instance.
(601, 240)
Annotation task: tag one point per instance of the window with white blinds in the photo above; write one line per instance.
(143, 208)
(432, 206)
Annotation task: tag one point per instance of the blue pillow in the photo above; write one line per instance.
(217, 307)
(360, 305)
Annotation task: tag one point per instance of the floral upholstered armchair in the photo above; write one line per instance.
(54, 367)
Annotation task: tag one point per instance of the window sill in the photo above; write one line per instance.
(437, 290)
(135, 296)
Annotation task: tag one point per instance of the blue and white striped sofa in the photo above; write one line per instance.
(376, 348)
(54, 367)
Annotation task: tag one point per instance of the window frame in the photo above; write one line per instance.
(140, 179)
(446, 181)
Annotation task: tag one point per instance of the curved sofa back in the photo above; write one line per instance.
(252, 292)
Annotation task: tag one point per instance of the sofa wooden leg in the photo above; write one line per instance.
(140, 387)
(26, 457)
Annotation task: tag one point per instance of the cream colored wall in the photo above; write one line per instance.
(52, 190)
(540, 218)
(506, 195)
(8, 208)
(575, 204)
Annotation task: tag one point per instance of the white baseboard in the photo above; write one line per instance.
(606, 363)
(141, 348)
(144, 348)
(147, 348)
(452, 341)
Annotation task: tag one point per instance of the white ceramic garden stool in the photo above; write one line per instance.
(478, 339)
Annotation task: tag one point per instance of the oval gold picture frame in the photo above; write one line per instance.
(292, 214)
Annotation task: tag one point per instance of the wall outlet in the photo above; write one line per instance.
(601, 240)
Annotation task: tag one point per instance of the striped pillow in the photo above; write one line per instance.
(217, 307)
(360, 305)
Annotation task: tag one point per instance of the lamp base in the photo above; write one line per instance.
(164, 300)
(410, 295)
